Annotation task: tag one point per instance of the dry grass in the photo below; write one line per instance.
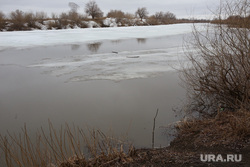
(225, 129)
(64, 147)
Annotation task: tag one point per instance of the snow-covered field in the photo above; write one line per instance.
(126, 64)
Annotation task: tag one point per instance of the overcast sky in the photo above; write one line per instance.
(181, 8)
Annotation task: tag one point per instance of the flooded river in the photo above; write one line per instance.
(109, 84)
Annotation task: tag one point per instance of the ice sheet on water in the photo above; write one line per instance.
(28, 39)
(113, 66)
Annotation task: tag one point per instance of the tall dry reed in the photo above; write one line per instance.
(68, 146)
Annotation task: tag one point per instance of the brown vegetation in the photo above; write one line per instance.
(20, 21)
(92, 9)
(66, 147)
(142, 13)
(236, 14)
(228, 129)
(228, 133)
(117, 14)
(218, 76)
(218, 83)
(2, 21)
(163, 18)
(17, 19)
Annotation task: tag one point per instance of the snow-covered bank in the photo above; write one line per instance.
(29, 39)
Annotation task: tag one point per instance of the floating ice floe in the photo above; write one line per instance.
(113, 66)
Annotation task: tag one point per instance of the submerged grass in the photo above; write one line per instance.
(64, 147)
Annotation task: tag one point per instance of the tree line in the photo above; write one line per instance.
(19, 20)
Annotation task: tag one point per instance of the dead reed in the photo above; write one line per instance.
(69, 146)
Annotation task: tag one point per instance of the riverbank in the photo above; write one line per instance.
(226, 134)
(226, 137)
(219, 141)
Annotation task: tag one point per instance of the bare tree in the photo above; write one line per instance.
(2, 21)
(218, 77)
(164, 18)
(159, 15)
(73, 7)
(92, 9)
(142, 13)
(73, 15)
(169, 16)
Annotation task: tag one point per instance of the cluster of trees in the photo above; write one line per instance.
(19, 20)
(235, 20)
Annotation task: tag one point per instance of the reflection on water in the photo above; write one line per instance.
(115, 41)
(75, 47)
(141, 40)
(94, 47)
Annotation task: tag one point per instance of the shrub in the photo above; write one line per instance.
(164, 18)
(218, 78)
(2, 21)
(17, 20)
(53, 23)
(152, 20)
(74, 18)
(63, 20)
(30, 20)
(128, 19)
(41, 16)
(117, 14)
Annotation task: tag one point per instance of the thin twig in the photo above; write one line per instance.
(153, 133)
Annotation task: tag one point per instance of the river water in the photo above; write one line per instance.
(107, 84)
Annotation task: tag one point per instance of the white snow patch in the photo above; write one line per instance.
(110, 22)
(92, 24)
(28, 39)
(41, 26)
(47, 22)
